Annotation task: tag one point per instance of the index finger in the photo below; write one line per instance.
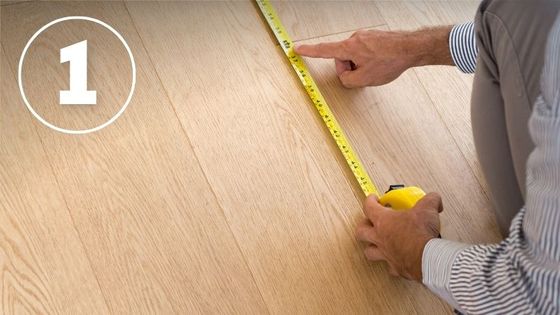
(323, 50)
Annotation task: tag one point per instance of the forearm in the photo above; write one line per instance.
(443, 45)
(497, 279)
(428, 46)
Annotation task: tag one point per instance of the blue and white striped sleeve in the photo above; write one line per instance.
(520, 275)
(462, 44)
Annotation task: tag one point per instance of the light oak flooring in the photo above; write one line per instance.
(219, 190)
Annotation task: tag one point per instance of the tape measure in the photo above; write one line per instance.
(398, 196)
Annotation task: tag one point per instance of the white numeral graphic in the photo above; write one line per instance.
(78, 94)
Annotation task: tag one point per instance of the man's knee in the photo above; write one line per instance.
(515, 31)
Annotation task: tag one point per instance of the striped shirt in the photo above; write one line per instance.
(462, 44)
(520, 275)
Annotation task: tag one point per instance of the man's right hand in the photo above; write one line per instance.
(374, 57)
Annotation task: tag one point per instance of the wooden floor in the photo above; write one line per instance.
(219, 190)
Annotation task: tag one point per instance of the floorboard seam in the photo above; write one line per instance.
(341, 32)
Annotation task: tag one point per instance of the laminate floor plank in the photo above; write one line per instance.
(275, 170)
(43, 265)
(157, 238)
(310, 19)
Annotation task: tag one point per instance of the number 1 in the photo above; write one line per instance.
(78, 93)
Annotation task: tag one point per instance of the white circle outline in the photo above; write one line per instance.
(81, 131)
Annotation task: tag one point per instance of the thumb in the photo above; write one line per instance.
(352, 78)
(342, 65)
(372, 208)
(430, 201)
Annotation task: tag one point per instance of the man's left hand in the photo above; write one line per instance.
(399, 237)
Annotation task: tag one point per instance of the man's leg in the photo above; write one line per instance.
(511, 36)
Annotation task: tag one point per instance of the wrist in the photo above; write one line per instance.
(415, 269)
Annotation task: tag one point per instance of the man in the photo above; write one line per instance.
(521, 274)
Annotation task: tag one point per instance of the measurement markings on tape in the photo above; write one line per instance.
(317, 98)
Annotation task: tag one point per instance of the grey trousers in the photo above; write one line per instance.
(511, 37)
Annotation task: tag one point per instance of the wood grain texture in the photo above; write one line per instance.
(219, 190)
(157, 239)
(448, 88)
(310, 19)
(9, 2)
(270, 160)
(43, 265)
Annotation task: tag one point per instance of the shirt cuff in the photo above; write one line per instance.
(462, 45)
(437, 261)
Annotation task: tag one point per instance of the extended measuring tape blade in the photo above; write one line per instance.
(317, 98)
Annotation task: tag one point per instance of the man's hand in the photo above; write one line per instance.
(399, 237)
(374, 57)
